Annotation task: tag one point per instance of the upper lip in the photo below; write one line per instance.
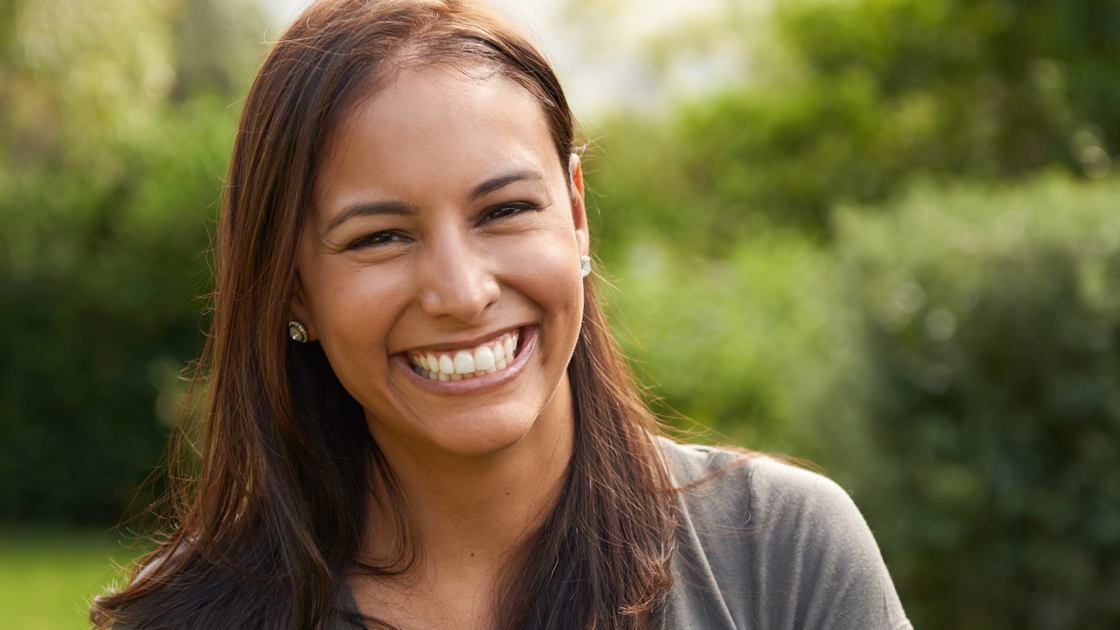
(468, 343)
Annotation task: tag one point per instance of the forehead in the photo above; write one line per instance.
(436, 127)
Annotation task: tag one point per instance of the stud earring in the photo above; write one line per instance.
(585, 266)
(298, 332)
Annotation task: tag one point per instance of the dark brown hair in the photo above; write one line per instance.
(270, 521)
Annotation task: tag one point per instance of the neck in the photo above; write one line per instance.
(473, 513)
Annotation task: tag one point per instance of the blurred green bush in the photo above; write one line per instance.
(862, 97)
(990, 387)
(948, 351)
(98, 282)
(953, 360)
(737, 345)
(111, 155)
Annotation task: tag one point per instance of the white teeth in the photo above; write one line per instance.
(464, 362)
(461, 364)
(483, 359)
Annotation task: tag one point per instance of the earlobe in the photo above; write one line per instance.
(299, 312)
(579, 208)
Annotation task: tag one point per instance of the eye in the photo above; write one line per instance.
(377, 238)
(507, 210)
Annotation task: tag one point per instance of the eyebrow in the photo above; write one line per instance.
(372, 208)
(406, 209)
(502, 181)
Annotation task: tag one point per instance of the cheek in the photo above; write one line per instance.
(548, 270)
(354, 312)
(551, 248)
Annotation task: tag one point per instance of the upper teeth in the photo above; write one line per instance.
(453, 365)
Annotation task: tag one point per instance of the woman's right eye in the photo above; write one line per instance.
(377, 238)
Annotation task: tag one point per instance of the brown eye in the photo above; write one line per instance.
(377, 238)
(507, 210)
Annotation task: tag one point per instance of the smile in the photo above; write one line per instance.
(455, 365)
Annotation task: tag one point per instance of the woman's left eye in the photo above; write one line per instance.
(507, 210)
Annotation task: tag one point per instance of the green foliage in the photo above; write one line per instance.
(738, 344)
(952, 356)
(954, 359)
(637, 190)
(216, 46)
(991, 391)
(791, 154)
(98, 278)
(107, 186)
(1031, 72)
(879, 92)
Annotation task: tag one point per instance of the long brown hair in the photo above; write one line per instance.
(270, 522)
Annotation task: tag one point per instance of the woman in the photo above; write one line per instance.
(416, 417)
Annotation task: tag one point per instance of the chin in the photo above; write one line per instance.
(477, 434)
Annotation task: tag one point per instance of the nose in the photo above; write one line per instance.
(457, 279)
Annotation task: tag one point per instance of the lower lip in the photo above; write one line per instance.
(476, 384)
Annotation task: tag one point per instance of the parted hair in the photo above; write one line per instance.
(268, 517)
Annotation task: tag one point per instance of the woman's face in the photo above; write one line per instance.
(446, 237)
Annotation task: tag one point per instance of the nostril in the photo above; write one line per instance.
(460, 296)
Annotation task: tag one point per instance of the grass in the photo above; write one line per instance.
(48, 575)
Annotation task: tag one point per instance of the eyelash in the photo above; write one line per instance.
(507, 210)
(502, 211)
(377, 238)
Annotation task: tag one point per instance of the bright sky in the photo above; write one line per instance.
(599, 67)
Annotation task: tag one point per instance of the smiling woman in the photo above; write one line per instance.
(415, 416)
(397, 264)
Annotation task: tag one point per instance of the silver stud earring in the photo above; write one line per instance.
(585, 266)
(298, 332)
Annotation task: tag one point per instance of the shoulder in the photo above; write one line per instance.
(778, 506)
(772, 479)
(760, 540)
(759, 489)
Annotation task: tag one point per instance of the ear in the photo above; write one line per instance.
(298, 310)
(579, 209)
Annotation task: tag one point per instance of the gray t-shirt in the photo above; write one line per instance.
(764, 545)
